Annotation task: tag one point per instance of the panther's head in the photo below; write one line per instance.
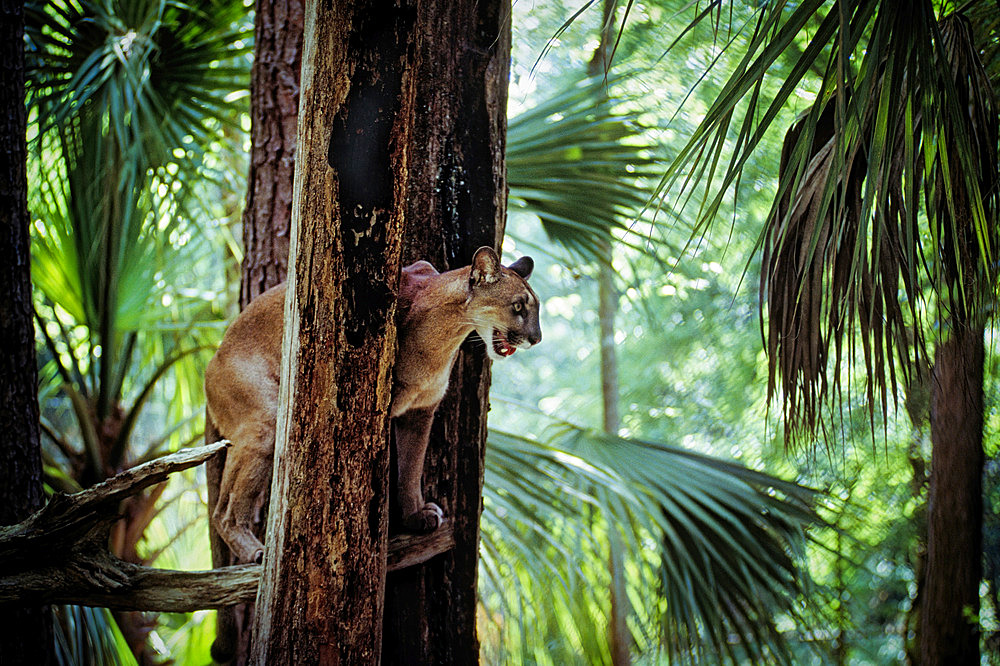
(501, 304)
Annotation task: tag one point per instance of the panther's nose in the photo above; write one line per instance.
(535, 337)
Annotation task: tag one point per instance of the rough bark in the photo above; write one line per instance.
(949, 631)
(25, 631)
(320, 600)
(457, 202)
(274, 104)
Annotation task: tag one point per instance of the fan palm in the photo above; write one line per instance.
(584, 166)
(710, 548)
(129, 103)
(883, 228)
(693, 529)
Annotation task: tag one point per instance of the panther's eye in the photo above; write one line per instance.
(518, 307)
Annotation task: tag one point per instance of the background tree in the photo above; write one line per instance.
(25, 633)
(274, 108)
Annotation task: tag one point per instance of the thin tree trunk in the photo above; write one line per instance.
(457, 203)
(320, 600)
(25, 633)
(917, 405)
(607, 310)
(274, 107)
(949, 629)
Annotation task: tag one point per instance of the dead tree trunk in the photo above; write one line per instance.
(320, 600)
(457, 202)
(25, 632)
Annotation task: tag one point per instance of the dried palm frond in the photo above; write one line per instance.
(886, 200)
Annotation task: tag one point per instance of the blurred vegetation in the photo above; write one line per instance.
(138, 125)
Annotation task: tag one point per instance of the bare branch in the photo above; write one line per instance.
(59, 554)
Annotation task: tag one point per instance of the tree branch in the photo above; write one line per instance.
(59, 554)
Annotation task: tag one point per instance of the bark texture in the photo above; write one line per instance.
(949, 632)
(457, 203)
(25, 632)
(320, 600)
(274, 105)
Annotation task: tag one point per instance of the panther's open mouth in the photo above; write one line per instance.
(501, 346)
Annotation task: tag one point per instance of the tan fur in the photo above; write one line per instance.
(436, 312)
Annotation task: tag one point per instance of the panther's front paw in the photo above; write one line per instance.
(426, 519)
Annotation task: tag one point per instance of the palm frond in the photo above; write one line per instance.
(89, 637)
(138, 65)
(584, 166)
(887, 188)
(711, 548)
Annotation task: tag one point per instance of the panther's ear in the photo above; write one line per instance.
(523, 267)
(485, 267)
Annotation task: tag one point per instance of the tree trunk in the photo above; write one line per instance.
(274, 107)
(25, 633)
(619, 640)
(457, 203)
(320, 600)
(949, 629)
(458, 193)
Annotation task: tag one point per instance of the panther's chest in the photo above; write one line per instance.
(419, 386)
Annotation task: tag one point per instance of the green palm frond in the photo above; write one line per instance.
(88, 637)
(128, 101)
(711, 548)
(584, 166)
(887, 186)
(163, 76)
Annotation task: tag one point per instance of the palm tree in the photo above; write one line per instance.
(882, 240)
(130, 104)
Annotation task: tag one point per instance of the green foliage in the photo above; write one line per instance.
(690, 557)
(136, 110)
(583, 165)
(707, 567)
(88, 637)
(887, 184)
(128, 106)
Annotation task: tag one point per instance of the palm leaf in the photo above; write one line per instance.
(887, 186)
(718, 543)
(583, 165)
(89, 637)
